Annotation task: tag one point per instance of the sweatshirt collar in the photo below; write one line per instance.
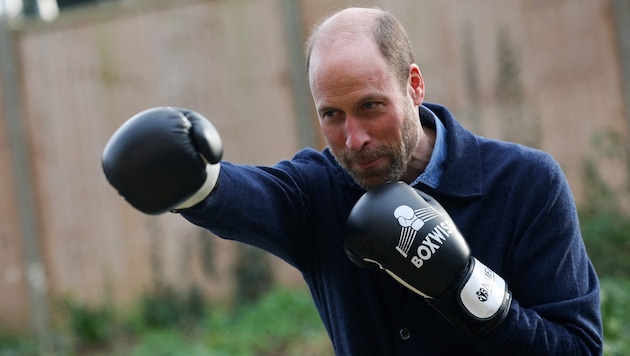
(462, 166)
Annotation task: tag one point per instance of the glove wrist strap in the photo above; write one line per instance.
(479, 303)
(212, 176)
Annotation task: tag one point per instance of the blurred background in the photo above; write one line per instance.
(81, 272)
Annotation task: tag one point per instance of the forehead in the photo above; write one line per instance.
(338, 69)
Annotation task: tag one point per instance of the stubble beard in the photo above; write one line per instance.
(398, 160)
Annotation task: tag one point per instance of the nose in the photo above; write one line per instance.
(356, 134)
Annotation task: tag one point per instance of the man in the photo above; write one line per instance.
(512, 205)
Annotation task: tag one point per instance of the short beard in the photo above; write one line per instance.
(399, 157)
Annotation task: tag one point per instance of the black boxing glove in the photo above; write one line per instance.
(408, 234)
(163, 159)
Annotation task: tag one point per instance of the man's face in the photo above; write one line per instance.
(370, 124)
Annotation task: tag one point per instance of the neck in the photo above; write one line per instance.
(421, 156)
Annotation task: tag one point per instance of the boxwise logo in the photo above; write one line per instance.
(411, 221)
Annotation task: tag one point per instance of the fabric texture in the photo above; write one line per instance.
(512, 204)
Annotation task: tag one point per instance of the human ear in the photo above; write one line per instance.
(416, 84)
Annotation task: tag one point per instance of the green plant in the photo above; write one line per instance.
(168, 342)
(604, 223)
(13, 345)
(615, 306)
(252, 274)
(283, 322)
(165, 307)
(604, 226)
(607, 242)
(90, 325)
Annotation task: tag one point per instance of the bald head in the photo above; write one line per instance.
(344, 26)
(352, 24)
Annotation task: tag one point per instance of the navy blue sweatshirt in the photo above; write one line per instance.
(512, 204)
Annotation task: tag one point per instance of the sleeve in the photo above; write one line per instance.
(265, 207)
(556, 307)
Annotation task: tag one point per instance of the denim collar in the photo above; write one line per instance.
(432, 174)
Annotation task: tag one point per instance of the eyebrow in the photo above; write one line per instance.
(373, 97)
(364, 99)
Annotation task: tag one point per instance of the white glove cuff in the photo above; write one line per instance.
(212, 176)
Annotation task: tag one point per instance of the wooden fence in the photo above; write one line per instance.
(544, 73)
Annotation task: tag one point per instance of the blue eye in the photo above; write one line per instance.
(331, 116)
(370, 105)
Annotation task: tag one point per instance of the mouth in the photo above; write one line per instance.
(369, 163)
